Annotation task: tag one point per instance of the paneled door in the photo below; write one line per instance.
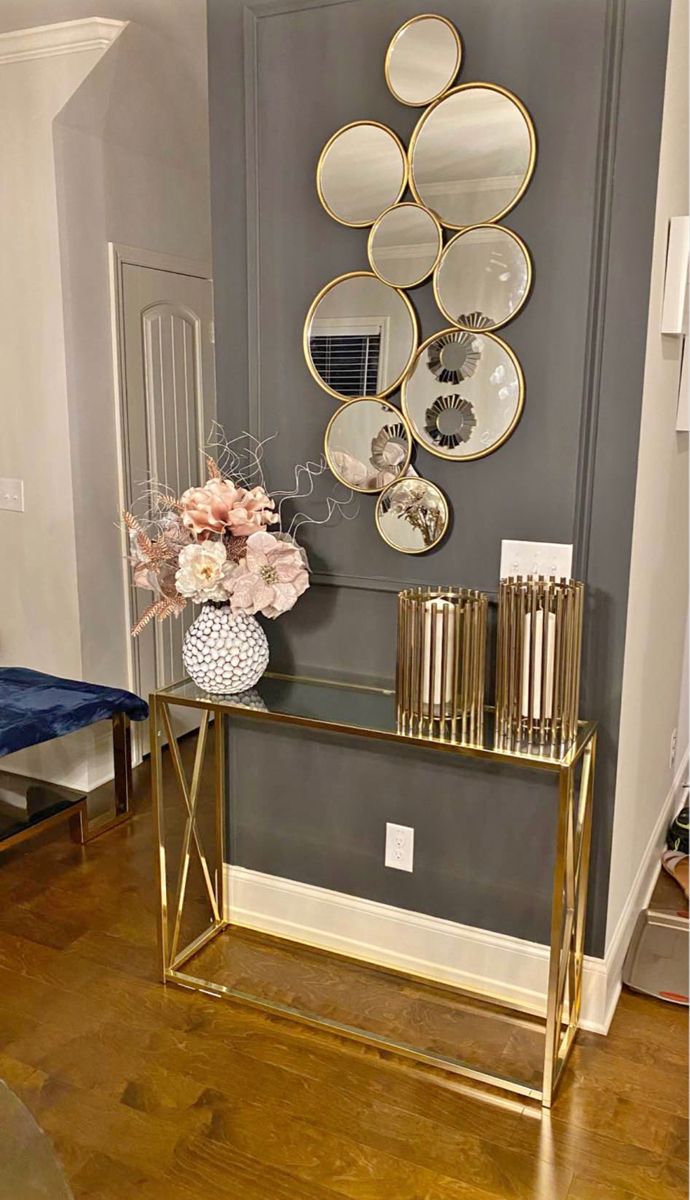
(168, 405)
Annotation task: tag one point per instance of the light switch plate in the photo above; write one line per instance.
(12, 494)
(399, 847)
(536, 558)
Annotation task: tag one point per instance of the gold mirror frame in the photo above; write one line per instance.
(380, 500)
(464, 87)
(333, 138)
(518, 409)
(437, 270)
(391, 48)
(398, 417)
(312, 312)
(376, 225)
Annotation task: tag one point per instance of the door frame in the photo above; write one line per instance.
(119, 257)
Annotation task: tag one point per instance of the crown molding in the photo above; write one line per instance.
(65, 37)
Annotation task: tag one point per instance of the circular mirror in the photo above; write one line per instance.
(464, 394)
(472, 155)
(483, 278)
(422, 59)
(360, 336)
(404, 245)
(368, 445)
(362, 169)
(412, 515)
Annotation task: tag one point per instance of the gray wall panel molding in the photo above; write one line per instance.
(283, 76)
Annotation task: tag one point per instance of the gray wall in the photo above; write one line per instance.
(283, 77)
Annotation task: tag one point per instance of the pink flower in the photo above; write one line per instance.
(251, 512)
(219, 505)
(271, 577)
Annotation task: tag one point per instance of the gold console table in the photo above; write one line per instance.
(196, 926)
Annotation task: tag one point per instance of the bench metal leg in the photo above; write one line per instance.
(122, 762)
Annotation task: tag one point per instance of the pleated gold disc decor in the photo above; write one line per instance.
(440, 666)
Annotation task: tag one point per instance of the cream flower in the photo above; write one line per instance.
(204, 572)
(271, 577)
(219, 505)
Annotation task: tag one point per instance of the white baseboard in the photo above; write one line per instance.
(436, 948)
(411, 941)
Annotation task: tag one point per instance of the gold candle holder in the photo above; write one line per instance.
(441, 662)
(538, 660)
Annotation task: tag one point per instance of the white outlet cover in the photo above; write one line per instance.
(536, 558)
(399, 847)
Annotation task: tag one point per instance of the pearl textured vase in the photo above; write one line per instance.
(224, 652)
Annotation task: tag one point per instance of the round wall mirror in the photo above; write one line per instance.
(360, 336)
(405, 245)
(483, 278)
(472, 155)
(368, 444)
(422, 59)
(412, 515)
(362, 170)
(464, 394)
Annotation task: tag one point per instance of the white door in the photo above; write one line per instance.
(169, 404)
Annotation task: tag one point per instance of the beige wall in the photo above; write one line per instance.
(103, 147)
(658, 599)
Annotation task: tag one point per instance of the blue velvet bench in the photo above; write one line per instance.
(36, 708)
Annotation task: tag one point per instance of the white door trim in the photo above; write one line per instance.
(119, 257)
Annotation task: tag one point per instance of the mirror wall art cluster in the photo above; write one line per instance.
(432, 211)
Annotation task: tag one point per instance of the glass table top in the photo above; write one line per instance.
(359, 707)
(367, 710)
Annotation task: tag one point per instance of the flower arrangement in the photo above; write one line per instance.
(223, 542)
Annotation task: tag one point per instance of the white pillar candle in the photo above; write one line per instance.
(537, 664)
(441, 687)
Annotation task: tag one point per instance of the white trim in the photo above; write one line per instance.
(429, 946)
(65, 37)
(642, 886)
(438, 949)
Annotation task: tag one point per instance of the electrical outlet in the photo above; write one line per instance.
(12, 494)
(536, 558)
(399, 847)
(672, 749)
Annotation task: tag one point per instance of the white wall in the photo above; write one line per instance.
(39, 616)
(102, 148)
(647, 784)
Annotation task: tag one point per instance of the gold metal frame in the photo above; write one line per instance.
(521, 599)
(446, 514)
(398, 417)
(377, 224)
(439, 267)
(453, 655)
(391, 48)
(463, 87)
(312, 313)
(569, 894)
(332, 139)
(518, 411)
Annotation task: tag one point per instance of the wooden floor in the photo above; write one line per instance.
(159, 1094)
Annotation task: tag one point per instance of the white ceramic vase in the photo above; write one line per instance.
(224, 652)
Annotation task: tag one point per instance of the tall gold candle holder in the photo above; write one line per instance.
(441, 663)
(538, 660)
